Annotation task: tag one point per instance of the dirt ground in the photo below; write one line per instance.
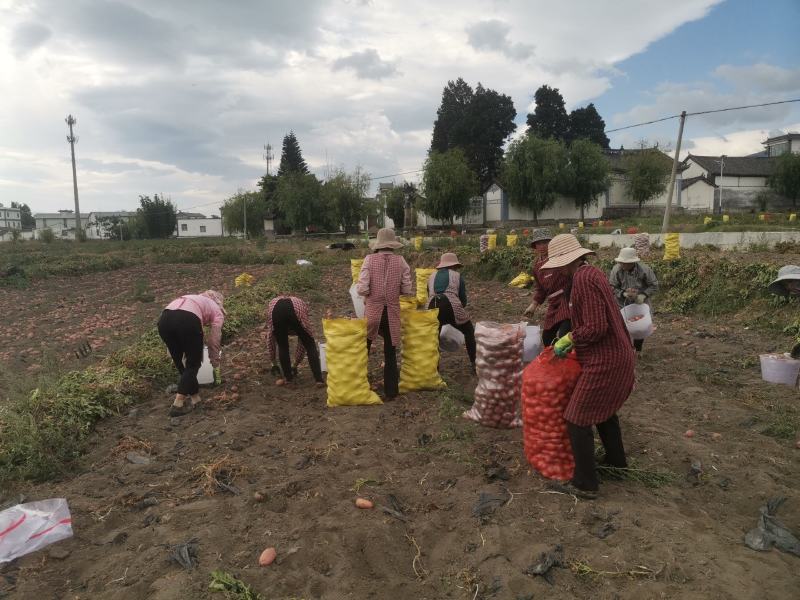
(682, 539)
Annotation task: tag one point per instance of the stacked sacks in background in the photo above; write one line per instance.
(484, 243)
(672, 246)
(346, 356)
(422, 276)
(499, 366)
(641, 242)
(547, 386)
(511, 240)
(420, 366)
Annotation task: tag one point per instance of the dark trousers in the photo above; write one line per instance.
(182, 332)
(582, 441)
(555, 332)
(637, 344)
(391, 376)
(285, 322)
(447, 317)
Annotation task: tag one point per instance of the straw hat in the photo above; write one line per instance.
(627, 255)
(785, 273)
(386, 240)
(449, 259)
(217, 297)
(564, 249)
(540, 235)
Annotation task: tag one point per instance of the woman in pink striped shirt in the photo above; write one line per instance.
(181, 327)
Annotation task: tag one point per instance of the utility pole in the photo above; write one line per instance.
(70, 120)
(244, 210)
(665, 224)
(721, 180)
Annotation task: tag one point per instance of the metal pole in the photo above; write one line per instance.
(665, 224)
(244, 209)
(70, 120)
(721, 170)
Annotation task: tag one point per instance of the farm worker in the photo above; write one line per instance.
(633, 282)
(384, 277)
(289, 315)
(181, 327)
(787, 284)
(551, 287)
(448, 293)
(603, 349)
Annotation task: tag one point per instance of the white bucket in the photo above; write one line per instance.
(779, 368)
(640, 328)
(358, 302)
(205, 375)
(533, 345)
(323, 362)
(450, 339)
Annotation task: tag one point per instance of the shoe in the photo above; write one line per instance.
(473, 371)
(566, 487)
(179, 411)
(196, 400)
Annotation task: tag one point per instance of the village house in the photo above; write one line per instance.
(62, 223)
(194, 225)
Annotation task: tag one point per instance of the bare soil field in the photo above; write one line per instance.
(291, 469)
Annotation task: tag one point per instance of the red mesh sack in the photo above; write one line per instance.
(547, 385)
(499, 365)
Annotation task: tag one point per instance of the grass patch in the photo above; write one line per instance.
(783, 422)
(651, 479)
(233, 588)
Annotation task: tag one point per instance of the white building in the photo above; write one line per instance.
(775, 146)
(62, 223)
(10, 218)
(723, 183)
(193, 227)
(101, 225)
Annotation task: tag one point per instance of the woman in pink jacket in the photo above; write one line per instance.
(181, 327)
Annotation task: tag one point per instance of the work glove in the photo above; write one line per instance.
(275, 370)
(563, 345)
(640, 298)
(217, 376)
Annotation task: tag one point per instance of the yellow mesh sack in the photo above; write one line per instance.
(422, 285)
(346, 355)
(707, 221)
(355, 268)
(408, 303)
(511, 239)
(492, 241)
(726, 218)
(672, 246)
(418, 243)
(793, 217)
(420, 366)
(522, 280)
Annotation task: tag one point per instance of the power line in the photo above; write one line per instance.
(704, 112)
(396, 174)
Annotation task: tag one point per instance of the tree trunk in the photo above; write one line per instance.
(582, 207)
(640, 209)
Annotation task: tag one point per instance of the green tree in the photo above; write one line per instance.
(28, 222)
(158, 216)
(586, 173)
(549, 119)
(533, 172)
(291, 157)
(343, 194)
(646, 174)
(116, 228)
(478, 123)
(587, 124)
(785, 178)
(46, 235)
(395, 205)
(233, 213)
(299, 197)
(448, 185)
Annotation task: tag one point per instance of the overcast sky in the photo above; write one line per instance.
(179, 96)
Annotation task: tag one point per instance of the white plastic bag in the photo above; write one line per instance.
(450, 339)
(303, 262)
(205, 375)
(25, 528)
(323, 360)
(533, 343)
(358, 302)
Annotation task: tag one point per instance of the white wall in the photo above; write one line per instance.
(694, 170)
(699, 196)
(494, 203)
(738, 241)
(199, 227)
(745, 182)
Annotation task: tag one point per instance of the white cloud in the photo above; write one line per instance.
(179, 96)
(766, 77)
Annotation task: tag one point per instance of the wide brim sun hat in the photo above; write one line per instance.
(563, 250)
(540, 235)
(217, 297)
(785, 273)
(449, 259)
(627, 255)
(386, 240)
